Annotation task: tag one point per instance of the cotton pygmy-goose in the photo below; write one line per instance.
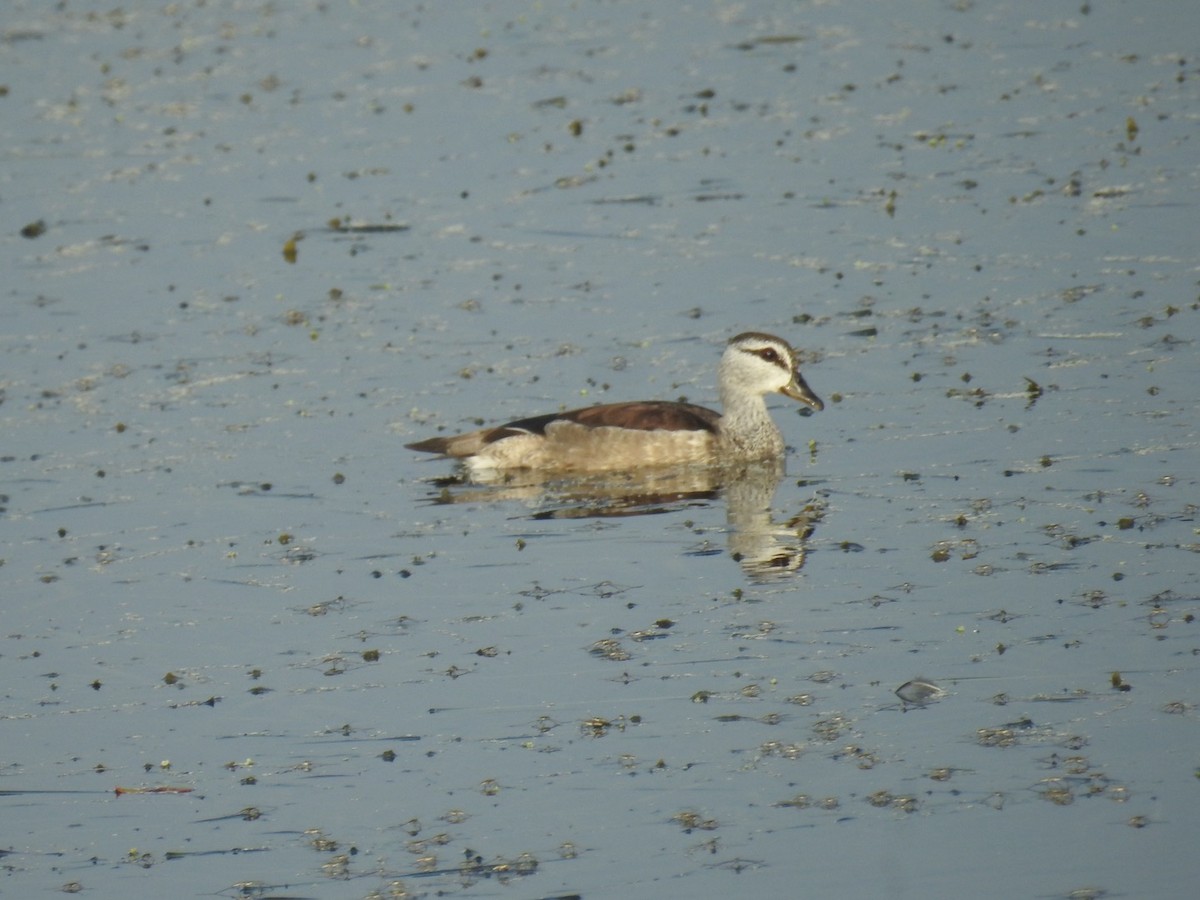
(631, 436)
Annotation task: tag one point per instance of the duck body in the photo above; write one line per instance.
(648, 433)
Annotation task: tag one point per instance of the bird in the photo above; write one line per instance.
(631, 436)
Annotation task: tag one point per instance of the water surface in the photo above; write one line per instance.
(252, 249)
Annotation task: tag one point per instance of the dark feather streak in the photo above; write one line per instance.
(645, 415)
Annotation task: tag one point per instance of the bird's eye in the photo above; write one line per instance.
(769, 355)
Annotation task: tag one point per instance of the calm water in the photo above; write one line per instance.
(254, 248)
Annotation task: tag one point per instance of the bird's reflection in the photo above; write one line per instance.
(766, 549)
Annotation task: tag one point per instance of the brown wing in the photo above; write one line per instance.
(646, 415)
